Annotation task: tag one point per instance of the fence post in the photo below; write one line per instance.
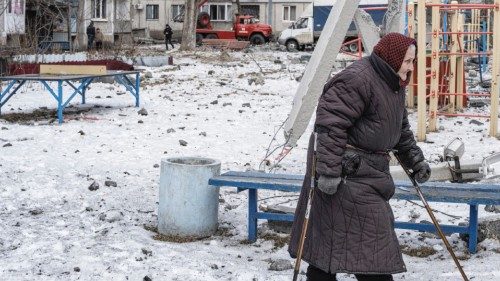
(495, 75)
(460, 64)
(453, 59)
(433, 101)
(421, 87)
(410, 100)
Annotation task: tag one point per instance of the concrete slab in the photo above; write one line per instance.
(318, 69)
(395, 17)
(440, 172)
(370, 33)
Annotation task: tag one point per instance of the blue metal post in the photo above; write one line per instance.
(252, 214)
(483, 44)
(137, 86)
(6, 92)
(83, 91)
(479, 61)
(473, 228)
(59, 101)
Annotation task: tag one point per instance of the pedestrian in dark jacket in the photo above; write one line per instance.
(168, 36)
(90, 35)
(361, 115)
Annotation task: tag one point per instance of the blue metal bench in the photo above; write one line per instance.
(15, 82)
(471, 194)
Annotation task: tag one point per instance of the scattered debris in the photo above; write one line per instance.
(421, 252)
(94, 186)
(256, 79)
(111, 216)
(142, 112)
(492, 208)
(280, 265)
(475, 122)
(147, 252)
(36, 212)
(110, 183)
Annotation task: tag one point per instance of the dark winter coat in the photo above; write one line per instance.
(168, 32)
(352, 231)
(91, 30)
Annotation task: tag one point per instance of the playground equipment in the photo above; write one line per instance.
(452, 40)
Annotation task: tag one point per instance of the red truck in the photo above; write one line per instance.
(245, 28)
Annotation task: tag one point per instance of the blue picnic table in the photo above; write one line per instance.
(79, 83)
(471, 194)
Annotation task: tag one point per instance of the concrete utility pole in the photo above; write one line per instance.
(395, 17)
(369, 32)
(318, 69)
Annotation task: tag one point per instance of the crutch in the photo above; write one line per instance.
(308, 210)
(434, 221)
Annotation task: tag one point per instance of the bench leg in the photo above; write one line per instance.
(252, 215)
(473, 228)
(137, 88)
(60, 106)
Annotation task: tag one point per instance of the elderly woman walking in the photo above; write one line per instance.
(361, 117)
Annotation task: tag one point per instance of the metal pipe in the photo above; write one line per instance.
(462, 115)
(433, 218)
(463, 6)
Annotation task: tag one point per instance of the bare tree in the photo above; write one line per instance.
(189, 27)
(238, 6)
(80, 26)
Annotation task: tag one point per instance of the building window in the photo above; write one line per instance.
(14, 6)
(152, 12)
(252, 10)
(98, 9)
(289, 13)
(218, 12)
(177, 10)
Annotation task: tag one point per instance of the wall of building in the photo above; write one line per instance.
(3, 33)
(154, 27)
(142, 26)
(15, 17)
(279, 21)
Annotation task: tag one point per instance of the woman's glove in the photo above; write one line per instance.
(422, 171)
(328, 184)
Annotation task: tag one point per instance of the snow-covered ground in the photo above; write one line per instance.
(52, 227)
